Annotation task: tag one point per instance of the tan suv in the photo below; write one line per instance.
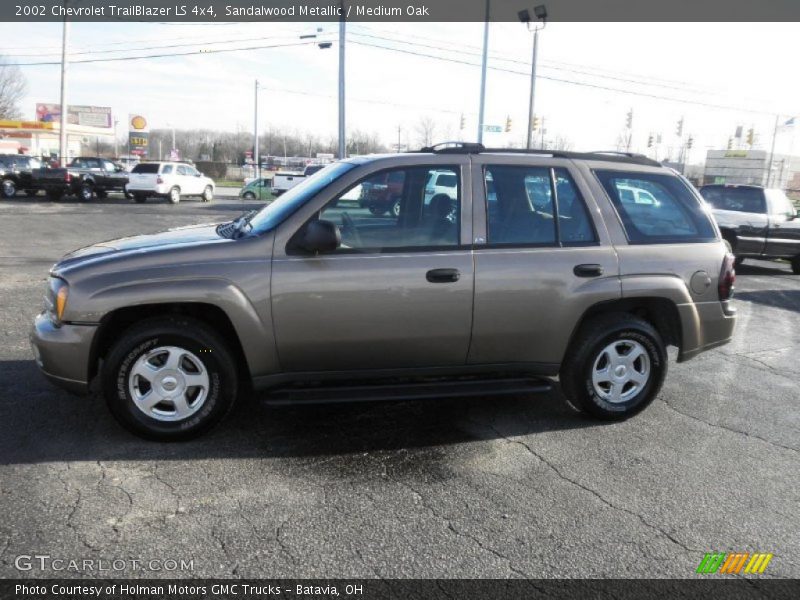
(581, 267)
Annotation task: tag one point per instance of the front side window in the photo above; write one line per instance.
(656, 208)
(182, 170)
(109, 166)
(523, 209)
(392, 210)
(780, 203)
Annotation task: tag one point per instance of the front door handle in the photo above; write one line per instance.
(443, 275)
(588, 270)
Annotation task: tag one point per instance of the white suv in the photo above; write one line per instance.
(169, 180)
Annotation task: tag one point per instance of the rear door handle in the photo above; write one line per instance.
(443, 275)
(588, 270)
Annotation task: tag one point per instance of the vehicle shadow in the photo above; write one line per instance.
(40, 423)
(785, 299)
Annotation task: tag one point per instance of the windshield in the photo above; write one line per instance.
(273, 214)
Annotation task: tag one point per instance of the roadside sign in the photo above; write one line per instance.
(493, 128)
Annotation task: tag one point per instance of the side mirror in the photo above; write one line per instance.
(320, 236)
(198, 174)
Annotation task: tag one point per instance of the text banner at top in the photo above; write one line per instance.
(397, 10)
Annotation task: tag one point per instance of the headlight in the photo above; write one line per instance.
(56, 299)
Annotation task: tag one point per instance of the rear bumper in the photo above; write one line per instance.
(705, 325)
(62, 353)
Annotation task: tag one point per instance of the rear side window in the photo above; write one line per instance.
(656, 208)
(750, 200)
(523, 209)
(145, 168)
(166, 169)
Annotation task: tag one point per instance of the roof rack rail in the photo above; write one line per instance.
(604, 155)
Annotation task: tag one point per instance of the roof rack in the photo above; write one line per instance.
(605, 155)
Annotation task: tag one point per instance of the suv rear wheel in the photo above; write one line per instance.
(617, 368)
(175, 195)
(208, 194)
(796, 265)
(169, 379)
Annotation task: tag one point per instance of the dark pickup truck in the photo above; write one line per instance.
(85, 177)
(756, 222)
(17, 173)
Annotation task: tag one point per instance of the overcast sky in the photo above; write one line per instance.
(722, 75)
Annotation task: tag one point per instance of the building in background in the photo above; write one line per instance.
(750, 167)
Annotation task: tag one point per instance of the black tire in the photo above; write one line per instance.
(139, 198)
(8, 188)
(174, 195)
(587, 348)
(86, 192)
(796, 265)
(101, 194)
(249, 196)
(184, 333)
(208, 194)
(54, 196)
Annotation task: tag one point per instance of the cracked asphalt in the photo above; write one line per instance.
(480, 488)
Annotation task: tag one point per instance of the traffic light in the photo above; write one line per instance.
(730, 143)
(535, 125)
(689, 142)
(751, 135)
(463, 122)
(508, 124)
(650, 141)
(679, 129)
(629, 119)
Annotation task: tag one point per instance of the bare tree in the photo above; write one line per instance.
(426, 130)
(12, 88)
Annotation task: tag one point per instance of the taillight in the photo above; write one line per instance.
(727, 277)
(159, 179)
(67, 177)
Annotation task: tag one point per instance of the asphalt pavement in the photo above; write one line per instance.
(487, 487)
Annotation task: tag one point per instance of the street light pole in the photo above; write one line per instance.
(62, 143)
(342, 32)
(484, 62)
(540, 12)
(257, 170)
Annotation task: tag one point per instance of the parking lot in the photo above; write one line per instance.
(486, 487)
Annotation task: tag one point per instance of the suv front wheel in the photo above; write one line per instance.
(616, 368)
(169, 379)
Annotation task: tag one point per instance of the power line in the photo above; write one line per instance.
(568, 81)
(165, 55)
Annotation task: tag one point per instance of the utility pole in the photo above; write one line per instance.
(529, 143)
(772, 151)
(342, 33)
(399, 145)
(257, 170)
(62, 143)
(484, 62)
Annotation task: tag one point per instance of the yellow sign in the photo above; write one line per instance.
(25, 125)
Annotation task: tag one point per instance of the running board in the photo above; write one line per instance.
(406, 391)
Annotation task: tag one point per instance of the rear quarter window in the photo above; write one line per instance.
(145, 168)
(656, 208)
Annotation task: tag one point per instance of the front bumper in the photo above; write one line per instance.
(62, 353)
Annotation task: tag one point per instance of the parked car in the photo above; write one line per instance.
(283, 181)
(381, 193)
(171, 180)
(85, 177)
(257, 189)
(17, 173)
(756, 222)
(316, 301)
